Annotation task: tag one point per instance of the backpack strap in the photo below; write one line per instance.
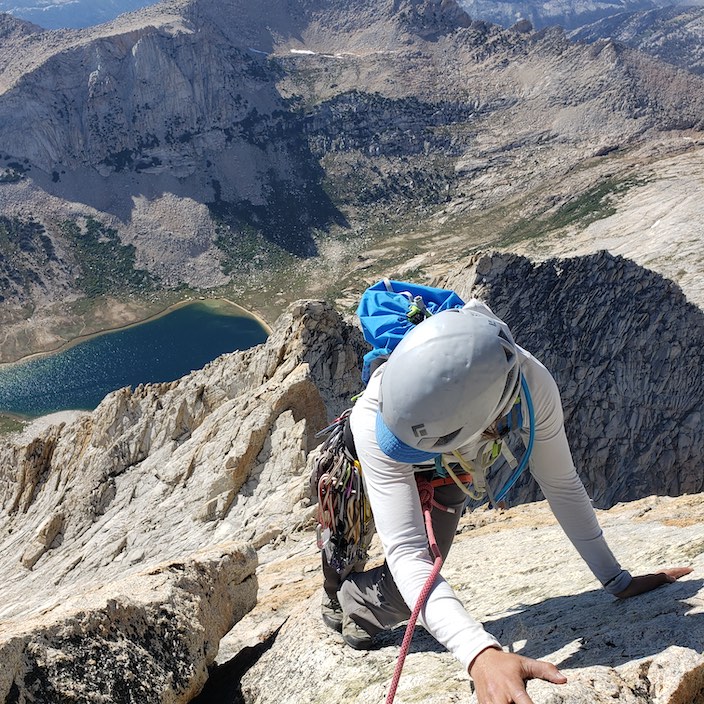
(525, 395)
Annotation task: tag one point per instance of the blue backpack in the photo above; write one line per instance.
(389, 309)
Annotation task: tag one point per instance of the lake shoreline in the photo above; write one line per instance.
(17, 421)
(35, 426)
(155, 316)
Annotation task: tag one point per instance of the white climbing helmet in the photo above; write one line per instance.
(446, 382)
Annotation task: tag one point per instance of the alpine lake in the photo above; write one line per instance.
(161, 349)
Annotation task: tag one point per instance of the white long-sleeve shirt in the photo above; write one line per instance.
(393, 496)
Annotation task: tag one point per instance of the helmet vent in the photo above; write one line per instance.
(443, 440)
(511, 387)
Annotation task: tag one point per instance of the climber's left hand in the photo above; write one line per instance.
(648, 582)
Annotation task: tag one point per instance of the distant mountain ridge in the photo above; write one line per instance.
(672, 34)
(569, 14)
(240, 142)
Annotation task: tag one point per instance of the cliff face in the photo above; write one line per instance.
(117, 529)
(69, 496)
(626, 349)
(149, 636)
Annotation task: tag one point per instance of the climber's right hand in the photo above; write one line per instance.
(499, 677)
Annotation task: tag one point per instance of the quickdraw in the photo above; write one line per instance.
(473, 477)
(344, 515)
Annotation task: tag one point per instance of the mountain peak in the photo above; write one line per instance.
(10, 25)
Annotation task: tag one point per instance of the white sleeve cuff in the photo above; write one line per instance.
(619, 582)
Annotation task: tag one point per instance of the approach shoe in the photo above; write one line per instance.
(332, 614)
(354, 635)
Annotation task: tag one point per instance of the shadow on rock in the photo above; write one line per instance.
(595, 629)
(592, 628)
(224, 684)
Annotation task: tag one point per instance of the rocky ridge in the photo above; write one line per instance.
(569, 14)
(625, 347)
(112, 513)
(658, 223)
(120, 524)
(673, 34)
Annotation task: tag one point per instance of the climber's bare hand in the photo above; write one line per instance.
(499, 677)
(648, 582)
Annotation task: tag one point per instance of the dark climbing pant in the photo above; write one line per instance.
(371, 597)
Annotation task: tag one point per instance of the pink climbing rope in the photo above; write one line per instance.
(425, 492)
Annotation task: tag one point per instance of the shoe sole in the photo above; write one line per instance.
(355, 636)
(358, 643)
(334, 624)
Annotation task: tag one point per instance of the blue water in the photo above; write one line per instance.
(57, 14)
(163, 349)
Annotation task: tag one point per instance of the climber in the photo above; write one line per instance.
(442, 390)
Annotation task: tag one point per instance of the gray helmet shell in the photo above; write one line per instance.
(448, 379)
